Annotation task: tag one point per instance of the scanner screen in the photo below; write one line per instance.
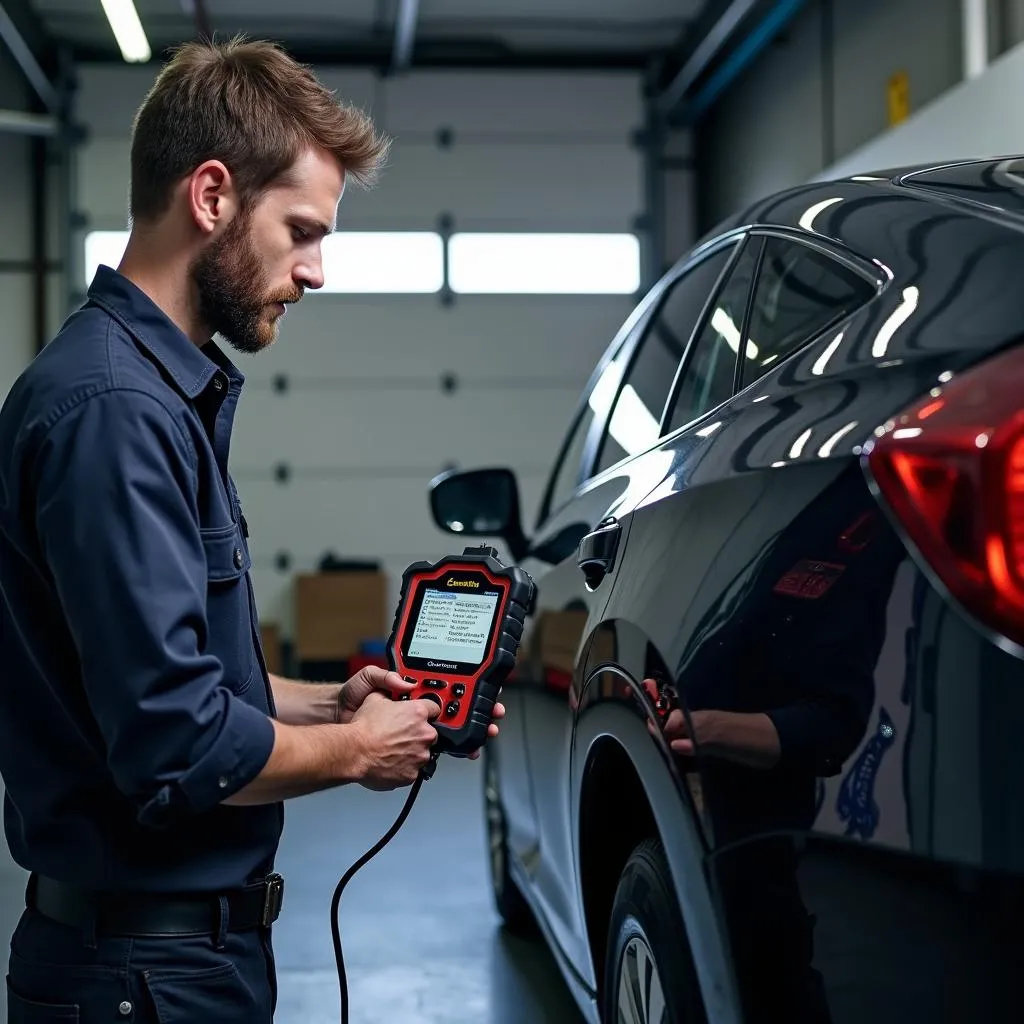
(453, 626)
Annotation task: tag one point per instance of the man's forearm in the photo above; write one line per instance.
(300, 703)
(306, 760)
(748, 738)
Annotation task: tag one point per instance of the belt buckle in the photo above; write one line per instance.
(273, 899)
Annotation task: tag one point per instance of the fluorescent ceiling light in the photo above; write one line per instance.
(552, 264)
(353, 261)
(127, 29)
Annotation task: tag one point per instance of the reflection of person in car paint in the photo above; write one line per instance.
(780, 697)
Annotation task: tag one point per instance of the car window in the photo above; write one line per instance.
(800, 291)
(636, 417)
(707, 378)
(567, 474)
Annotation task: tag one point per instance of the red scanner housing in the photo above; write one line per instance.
(456, 637)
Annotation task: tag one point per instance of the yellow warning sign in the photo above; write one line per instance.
(899, 98)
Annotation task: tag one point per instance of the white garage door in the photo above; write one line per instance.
(367, 396)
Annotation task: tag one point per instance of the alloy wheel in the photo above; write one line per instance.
(641, 999)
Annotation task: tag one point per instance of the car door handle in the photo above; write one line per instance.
(597, 550)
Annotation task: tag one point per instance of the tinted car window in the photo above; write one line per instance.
(707, 379)
(800, 291)
(568, 471)
(636, 417)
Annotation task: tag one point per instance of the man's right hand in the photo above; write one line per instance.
(396, 737)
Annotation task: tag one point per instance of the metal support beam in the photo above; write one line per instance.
(652, 260)
(196, 9)
(40, 263)
(405, 34)
(450, 54)
(704, 40)
(18, 122)
(26, 60)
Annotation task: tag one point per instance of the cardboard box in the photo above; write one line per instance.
(336, 611)
(270, 637)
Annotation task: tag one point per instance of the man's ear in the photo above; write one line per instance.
(211, 195)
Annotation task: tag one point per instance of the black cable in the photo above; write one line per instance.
(425, 773)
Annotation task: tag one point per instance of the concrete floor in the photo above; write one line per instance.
(422, 942)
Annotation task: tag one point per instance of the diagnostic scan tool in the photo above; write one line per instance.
(456, 636)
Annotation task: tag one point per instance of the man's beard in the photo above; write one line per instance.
(233, 297)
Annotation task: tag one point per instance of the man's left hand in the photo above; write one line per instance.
(372, 679)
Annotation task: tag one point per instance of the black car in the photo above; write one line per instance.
(764, 752)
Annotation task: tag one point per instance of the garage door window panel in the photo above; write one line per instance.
(707, 379)
(566, 478)
(633, 426)
(800, 292)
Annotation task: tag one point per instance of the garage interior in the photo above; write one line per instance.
(550, 161)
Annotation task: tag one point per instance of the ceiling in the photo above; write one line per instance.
(570, 33)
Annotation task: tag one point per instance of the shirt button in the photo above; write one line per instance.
(222, 782)
(125, 1008)
(218, 383)
(238, 558)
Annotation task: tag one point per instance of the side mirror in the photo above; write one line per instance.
(479, 503)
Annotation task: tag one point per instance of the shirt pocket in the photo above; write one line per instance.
(229, 635)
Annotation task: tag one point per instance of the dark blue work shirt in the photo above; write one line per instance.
(133, 691)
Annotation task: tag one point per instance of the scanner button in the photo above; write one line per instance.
(459, 689)
(435, 684)
(453, 708)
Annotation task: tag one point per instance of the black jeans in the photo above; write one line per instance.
(57, 975)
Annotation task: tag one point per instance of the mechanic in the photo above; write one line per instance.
(146, 751)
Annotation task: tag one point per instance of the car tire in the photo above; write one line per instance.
(509, 901)
(649, 976)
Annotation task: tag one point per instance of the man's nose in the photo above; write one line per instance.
(309, 274)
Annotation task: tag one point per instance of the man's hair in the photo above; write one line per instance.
(249, 105)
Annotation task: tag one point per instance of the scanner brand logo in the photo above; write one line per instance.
(453, 582)
(441, 664)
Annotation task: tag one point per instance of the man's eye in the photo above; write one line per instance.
(300, 234)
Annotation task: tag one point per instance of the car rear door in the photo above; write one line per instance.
(725, 596)
(625, 406)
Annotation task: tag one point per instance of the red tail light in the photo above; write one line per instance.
(951, 469)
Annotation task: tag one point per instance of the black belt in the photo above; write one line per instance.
(140, 914)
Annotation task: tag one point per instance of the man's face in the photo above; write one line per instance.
(268, 255)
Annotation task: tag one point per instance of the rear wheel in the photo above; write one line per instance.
(511, 905)
(649, 976)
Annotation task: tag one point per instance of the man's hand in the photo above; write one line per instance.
(748, 738)
(396, 737)
(373, 679)
(366, 681)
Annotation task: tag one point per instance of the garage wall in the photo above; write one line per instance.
(16, 288)
(819, 92)
(16, 349)
(364, 420)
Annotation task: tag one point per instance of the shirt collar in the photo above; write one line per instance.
(191, 367)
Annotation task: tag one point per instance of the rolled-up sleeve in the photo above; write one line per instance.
(118, 523)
